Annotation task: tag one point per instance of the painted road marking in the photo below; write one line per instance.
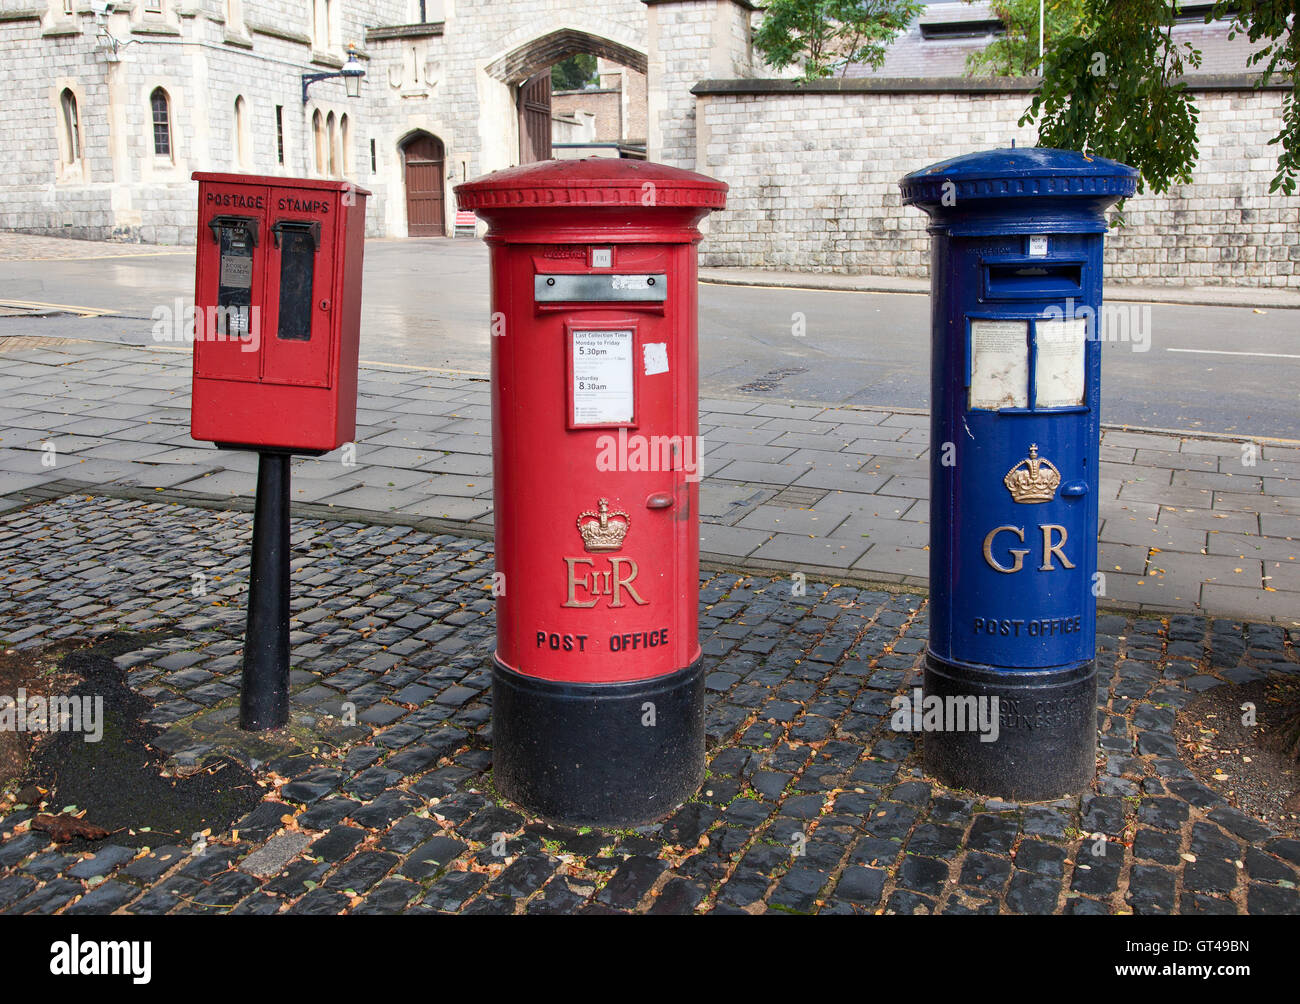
(1228, 352)
(71, 309)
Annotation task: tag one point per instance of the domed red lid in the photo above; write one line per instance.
(592, 181)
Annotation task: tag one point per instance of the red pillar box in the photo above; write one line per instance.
(598, 691)
(277, 299)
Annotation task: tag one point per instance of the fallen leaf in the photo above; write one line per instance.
(63, 828)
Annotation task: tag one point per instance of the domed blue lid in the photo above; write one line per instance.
(1018, 172)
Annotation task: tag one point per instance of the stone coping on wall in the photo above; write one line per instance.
(425, 29)
(587, 90)
(946, 85)
(278, 31)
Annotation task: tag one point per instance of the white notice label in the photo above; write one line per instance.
(656, 357)
(999, 364)
(602, 377)
(1059, 372)
(1037, 247)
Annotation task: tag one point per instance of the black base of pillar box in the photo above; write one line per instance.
(264, 689)
(1047, 731)
(579, 753)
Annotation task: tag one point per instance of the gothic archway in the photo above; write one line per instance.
(526, 68)
(543, 52)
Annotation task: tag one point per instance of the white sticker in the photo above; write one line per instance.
(602, 257)
(656, 357)
(1059, 371)
(1037, 247)
(999, 364)
(630, 281)
(602, 377)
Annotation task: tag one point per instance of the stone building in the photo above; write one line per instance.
(112, 104)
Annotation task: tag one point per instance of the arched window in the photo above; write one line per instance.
(241, 128)
(345, 156)
(160, 109)
(330, 144)
(71, 124)
(318, 133)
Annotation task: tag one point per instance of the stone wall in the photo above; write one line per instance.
(689, 40)
(442, 77)
(814, 174)
(632, 90)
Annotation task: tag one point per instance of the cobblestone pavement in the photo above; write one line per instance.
(811, 803)
(1188, 524)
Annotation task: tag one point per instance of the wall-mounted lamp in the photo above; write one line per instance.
(352, 72)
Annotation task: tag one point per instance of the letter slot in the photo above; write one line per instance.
(1034, 279)
(602, 288)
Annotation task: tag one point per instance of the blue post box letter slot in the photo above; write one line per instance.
(1016, 277)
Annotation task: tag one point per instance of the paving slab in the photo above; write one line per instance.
(118, 417)
(810, 553)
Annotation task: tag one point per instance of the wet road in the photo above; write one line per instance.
(1205, 369)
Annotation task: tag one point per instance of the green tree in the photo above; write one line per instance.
(823, 36)
(1117, 88)
(574, 73)
(1015, 52)
(1264, 23)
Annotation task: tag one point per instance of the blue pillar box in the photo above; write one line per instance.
(1016, 280)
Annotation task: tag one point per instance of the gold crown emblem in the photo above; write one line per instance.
(604, 530)
(1034, 479)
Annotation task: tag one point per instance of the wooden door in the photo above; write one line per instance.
(424, 161)
(535, 118)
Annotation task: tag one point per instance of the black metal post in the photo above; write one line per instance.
(264, 696)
